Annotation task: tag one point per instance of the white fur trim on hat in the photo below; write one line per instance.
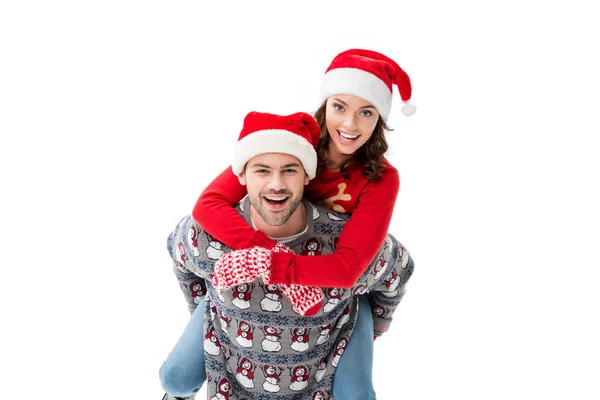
(274, 141)
(357, 82)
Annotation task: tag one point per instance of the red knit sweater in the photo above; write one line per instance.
(371, 205)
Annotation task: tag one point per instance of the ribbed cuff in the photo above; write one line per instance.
(262, 240)
(280, 267)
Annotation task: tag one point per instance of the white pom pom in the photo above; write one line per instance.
(409, 109)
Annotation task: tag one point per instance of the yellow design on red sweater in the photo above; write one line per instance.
(330, 201)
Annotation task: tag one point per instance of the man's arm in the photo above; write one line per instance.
(187, 247)
(385, 296)
(192, 286)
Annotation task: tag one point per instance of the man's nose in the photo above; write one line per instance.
(277, 182)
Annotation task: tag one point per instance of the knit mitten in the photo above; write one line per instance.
(306, 300)
(241, 266)
(246, 265)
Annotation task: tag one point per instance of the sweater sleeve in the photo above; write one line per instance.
(216, 204)
(360, 240)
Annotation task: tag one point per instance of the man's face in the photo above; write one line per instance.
(275, 184)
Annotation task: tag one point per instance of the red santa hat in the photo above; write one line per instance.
(296, 134)
(369, 75)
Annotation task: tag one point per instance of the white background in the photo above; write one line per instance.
(114, 115)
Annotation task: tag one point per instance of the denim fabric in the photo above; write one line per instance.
(183, 372)
(354, 375)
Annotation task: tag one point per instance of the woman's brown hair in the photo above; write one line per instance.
(369, 156)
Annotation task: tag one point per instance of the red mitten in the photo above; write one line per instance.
(246, 265)
(241, 266)
(306, 300)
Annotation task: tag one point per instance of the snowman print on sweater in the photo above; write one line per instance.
(272, 379)
(214, 250)
(244, 334)
(272, 300)
(245, 373)
(241, 296)
(271, 341)
(223, 390)
(299, 339)
(212, 345)
(192, 239)
(339, 350)
(299, 378)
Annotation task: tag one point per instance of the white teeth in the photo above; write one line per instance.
(348, 137)
(275, 198)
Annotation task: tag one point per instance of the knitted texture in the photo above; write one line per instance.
(246, 265)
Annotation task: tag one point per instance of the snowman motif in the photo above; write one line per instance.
(244, 334)
(272, 300)
(321, 369)
(339, 350)
(223, 390)
(271, 341)
(334, 217)
(379, 268)
(316, 213)
(225, 321)
(387, 244)
(211, 344)
(299, 378)
(318, 396)
(241, 296)
(391, 282)
(192, 238)
(272, 380)
(344, 318)
(213, 309)
(379, 311)
(214, 249)
(299, 339)
(402, 254)
(334, 295)
(323, 334)
(198, 289)
(181, 256)
(245, 373)
(312, 248)
(360, 289)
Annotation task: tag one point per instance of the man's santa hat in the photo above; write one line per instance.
(296, 134)
(369, 75)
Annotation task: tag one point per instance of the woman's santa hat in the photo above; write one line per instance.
(296, 134)
(369, 75)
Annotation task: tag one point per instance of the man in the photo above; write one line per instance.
(256, 341)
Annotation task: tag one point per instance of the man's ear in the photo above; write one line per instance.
(306, 179)
(242, 179)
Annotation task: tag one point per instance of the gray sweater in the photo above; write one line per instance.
(256, 346)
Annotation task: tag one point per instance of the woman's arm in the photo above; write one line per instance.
(360, 240)
(215, 213)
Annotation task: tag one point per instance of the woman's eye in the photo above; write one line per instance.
(367, 113)
(338, 107)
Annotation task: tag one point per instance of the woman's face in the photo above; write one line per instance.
(350, 123)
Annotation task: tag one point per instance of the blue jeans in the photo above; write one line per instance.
(183, 372)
